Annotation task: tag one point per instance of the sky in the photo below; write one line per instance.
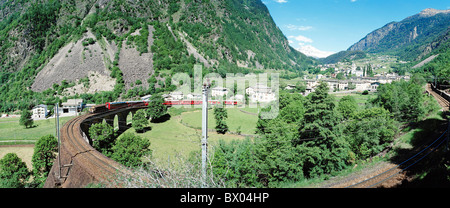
(322, 27)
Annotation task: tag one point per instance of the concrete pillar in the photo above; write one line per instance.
(110, 120)
(122, 117)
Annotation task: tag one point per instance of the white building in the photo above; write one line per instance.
(176, 96)
(260, 93)
(374, 86)
(147, 97)
(219, 91)
(39, 111)
(194, 96)
(71, 107)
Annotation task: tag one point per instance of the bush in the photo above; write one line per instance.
(129, 150)
(13, 172)
(103, 137)
(45, 152)
(139, 120)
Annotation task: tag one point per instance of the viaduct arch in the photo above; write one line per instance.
(81, 164)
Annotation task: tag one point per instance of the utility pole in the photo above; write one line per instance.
(59, 140)
(448, 133)
(204, 131)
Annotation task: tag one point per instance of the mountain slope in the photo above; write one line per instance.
(139, 44)
(407, 38)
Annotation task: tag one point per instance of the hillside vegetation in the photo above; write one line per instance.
(170, 36)
(408, 38)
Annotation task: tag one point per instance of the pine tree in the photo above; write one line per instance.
(220, 114)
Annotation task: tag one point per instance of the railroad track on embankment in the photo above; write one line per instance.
(386, 174)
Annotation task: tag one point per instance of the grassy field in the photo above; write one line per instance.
(13, 133)
(24, 152)
(171, 140)
(360, 99)
(236, 120)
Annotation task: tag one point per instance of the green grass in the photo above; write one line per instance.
(236, 120)
(13, 133)
(360, 98)
(171, 140)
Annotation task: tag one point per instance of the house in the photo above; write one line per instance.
(360, 86)
(71, 107)
(311, 83)
(337, 84)
(308, 91)
(260, 93)
(39, 111)
(290, 87)
(374, 86)
(358, 73)
(194, 96)
(175, 96)
(219, 91)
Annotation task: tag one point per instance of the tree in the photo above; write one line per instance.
(13, 172)
(139, 120)
(234, 162)
(103, 137)
(220, 114)
(129, 149)
(320, 142)
(340, 76)
(370, 132)
(347, 106)
(156, 110)
(25, 119)
(44, 154)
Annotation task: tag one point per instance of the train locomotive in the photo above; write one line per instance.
(117, 105)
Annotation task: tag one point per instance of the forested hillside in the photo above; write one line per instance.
(171, 36)
(407, 38)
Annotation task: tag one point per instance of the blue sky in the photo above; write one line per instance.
(334, 25)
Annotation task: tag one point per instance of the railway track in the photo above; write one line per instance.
(441, 100)
(389, 175)
(81, 164)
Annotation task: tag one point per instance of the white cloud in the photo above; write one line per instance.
(281, 1)
(310, 50)
(301, 38)
(353, 0)
(296, 27)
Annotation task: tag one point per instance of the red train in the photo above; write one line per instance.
(116, 105)
(126, 104)
(198, 102)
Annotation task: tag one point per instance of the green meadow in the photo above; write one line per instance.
(180, 135)
(13, 133)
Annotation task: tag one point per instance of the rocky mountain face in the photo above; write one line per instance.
(131, 46)
(407, 38)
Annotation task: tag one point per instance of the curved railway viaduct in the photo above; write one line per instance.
(81, 164)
